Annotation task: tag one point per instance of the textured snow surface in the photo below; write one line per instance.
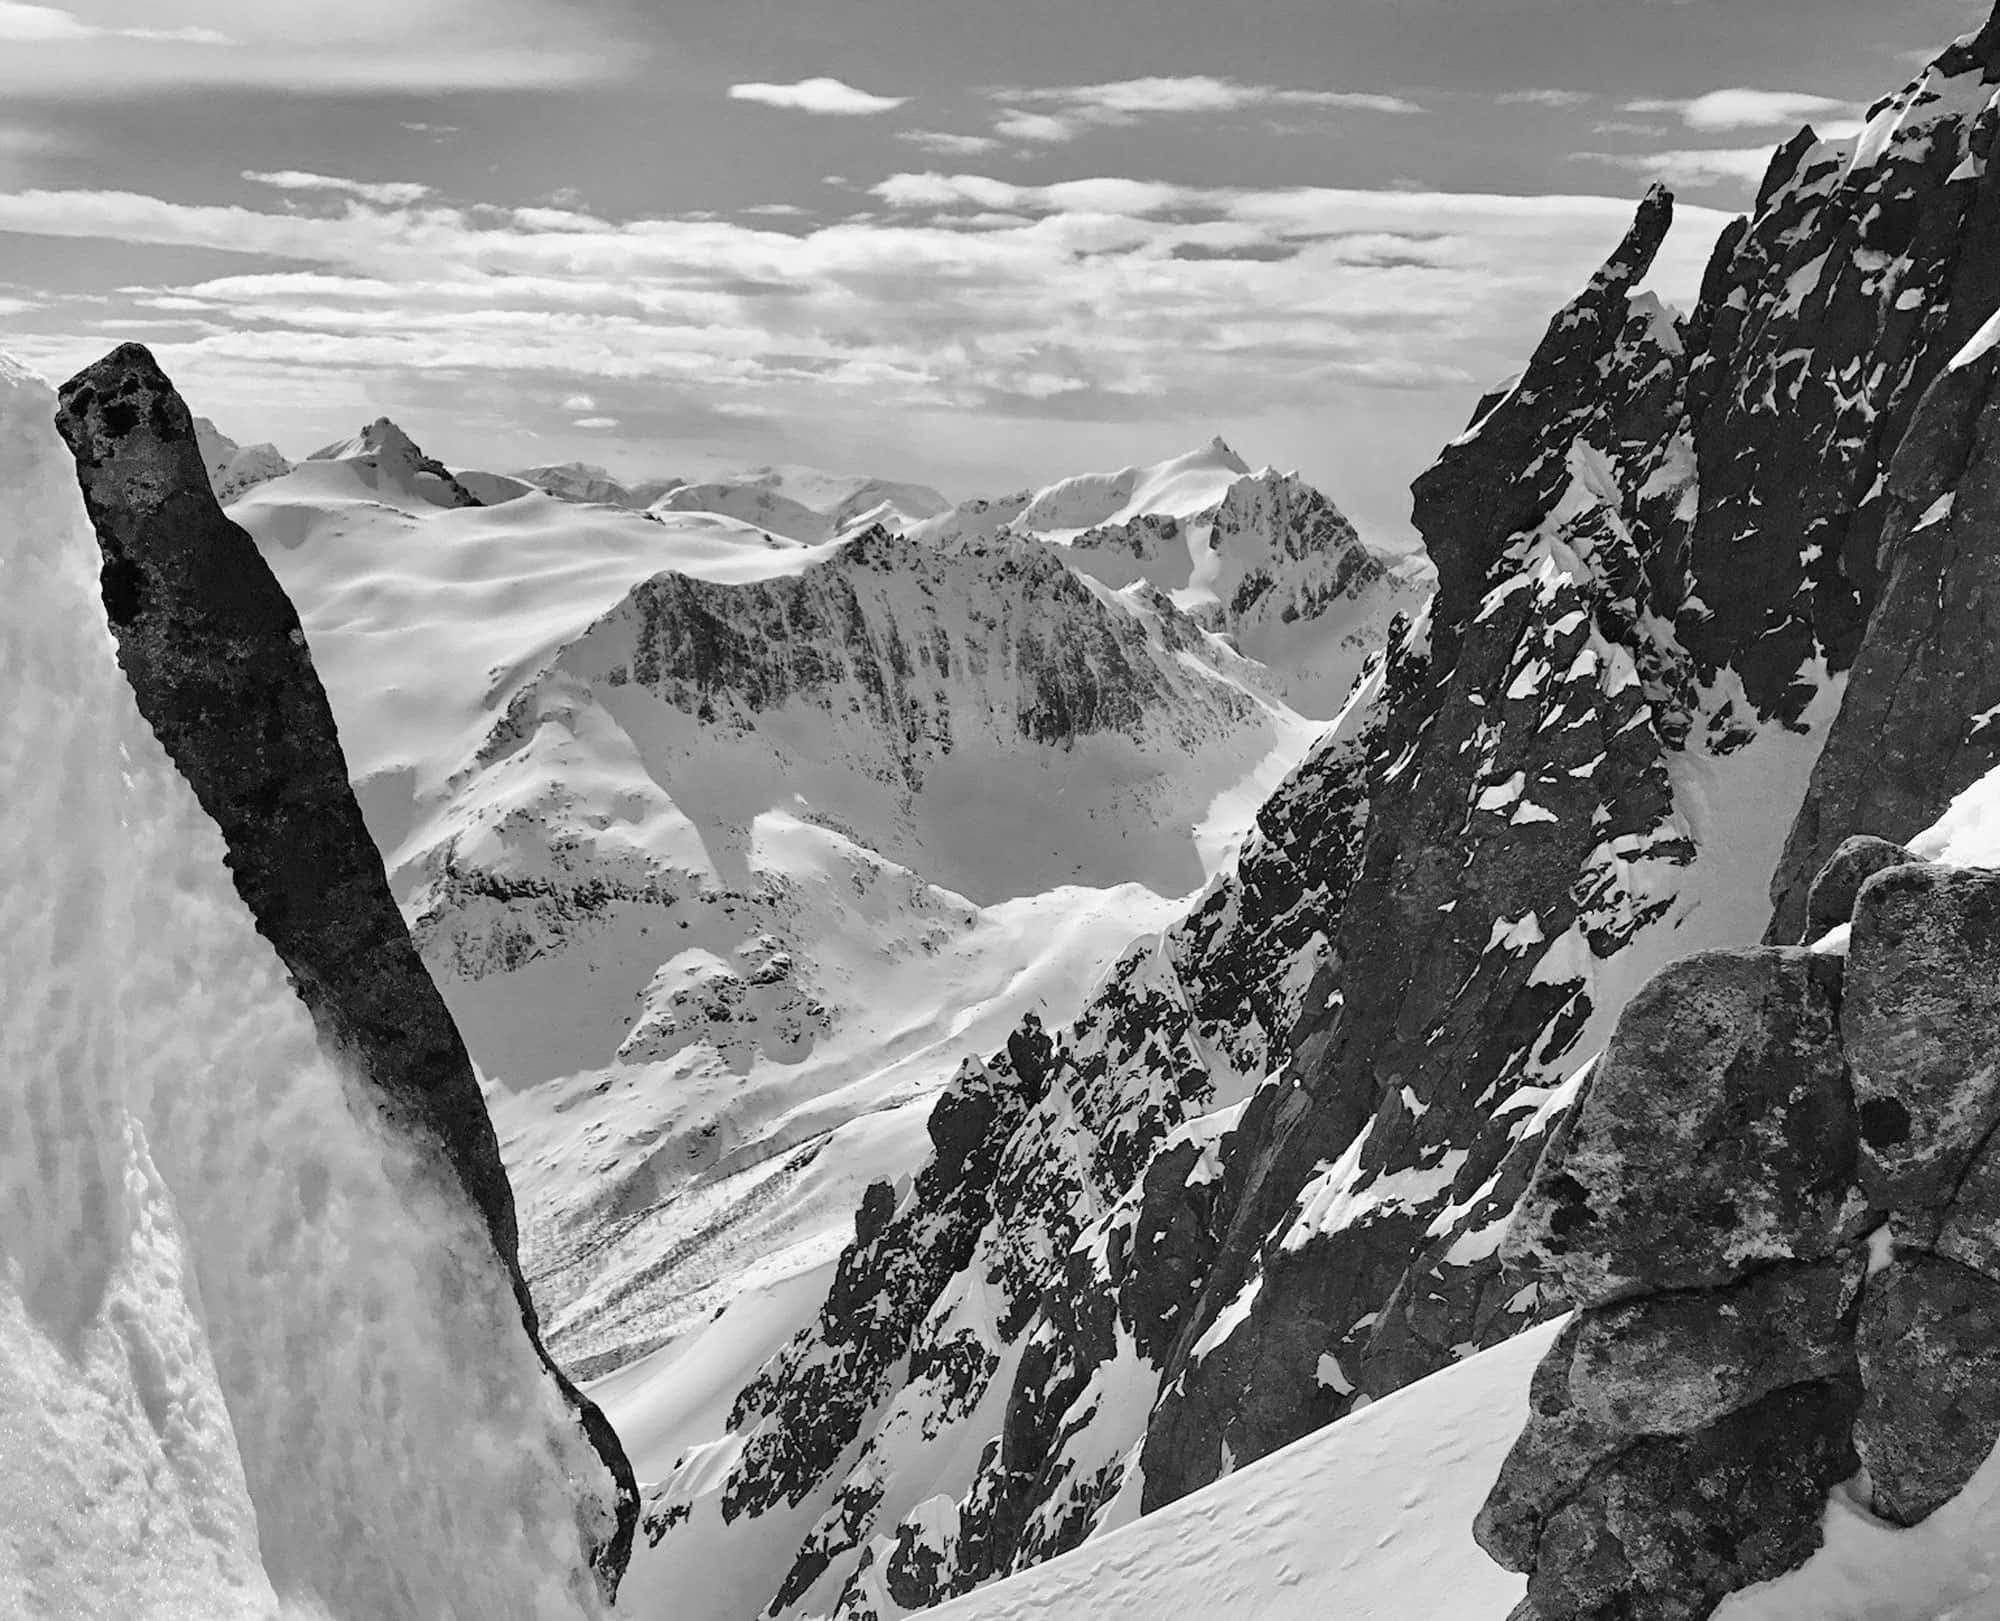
(254, 1358)
(1371, 1519)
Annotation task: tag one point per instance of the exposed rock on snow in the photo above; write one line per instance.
(218, 664)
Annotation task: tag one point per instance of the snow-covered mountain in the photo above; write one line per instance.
(727, 849)
(234, 468)
(1265, 1176)
(1262, 558)
(807, 505)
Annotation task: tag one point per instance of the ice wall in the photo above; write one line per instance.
(253, 1359)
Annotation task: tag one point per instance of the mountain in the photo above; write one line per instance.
(1696, 578)
(234, 468)
(581, 481)
(807, 505)
(384, 460)
(726, 850)
(1262, 558)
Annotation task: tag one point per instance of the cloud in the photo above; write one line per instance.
(1545, 98)
(40, 25)
(389, 192)
(595, 422)
(825, 96)
(1697, 166)
(92, 49)
(1745, 109)
(1020, 326)
(1072, 109)
(943, 141)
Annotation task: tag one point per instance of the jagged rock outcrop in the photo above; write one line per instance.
(217, 662)
(1859, 1325)
(1918, 721)
(1658, 554)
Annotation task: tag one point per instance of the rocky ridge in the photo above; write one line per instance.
(1262, 558)
(1658, 555)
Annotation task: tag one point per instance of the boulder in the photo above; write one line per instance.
(1930, 1362)
(1717, 1133)
(1548, 1463)
(1673, 1524)
(1672, 1363)
(1830, 901)
(1922, 1004)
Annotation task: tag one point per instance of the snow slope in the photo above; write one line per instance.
(716, 942)
(1369, 1519)
(255, 1357)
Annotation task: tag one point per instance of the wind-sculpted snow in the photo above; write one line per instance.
(256, 1355)
(1656, 556)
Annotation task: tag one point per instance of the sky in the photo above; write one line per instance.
(980, 245)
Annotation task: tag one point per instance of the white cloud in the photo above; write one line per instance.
(1745, 109)
(1072, 109)
(826, 96)
(1697, 166)
(389, 192)
(93, 49)
(937, 140)
(39, 25)
(1545, 98)
(595, 422)
(968, 312)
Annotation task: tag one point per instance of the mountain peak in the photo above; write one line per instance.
(390, 454)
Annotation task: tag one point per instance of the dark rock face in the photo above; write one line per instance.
(1923, 1001)
(1930, 1354)
(1670, 1363)
(1684, 1430)
(1916, 727)
(1675, 1523)
(1728, 1068)
(218, 664)
(1830, 901)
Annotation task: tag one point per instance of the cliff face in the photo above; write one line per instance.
(1658, 555)
(217, 662)
(1917, 726)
